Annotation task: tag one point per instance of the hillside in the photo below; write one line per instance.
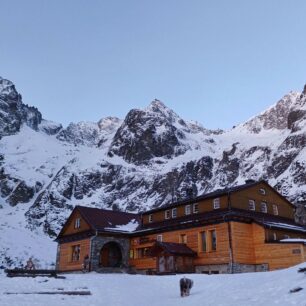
(147, 159)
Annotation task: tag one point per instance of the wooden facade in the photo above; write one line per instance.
(239, 229)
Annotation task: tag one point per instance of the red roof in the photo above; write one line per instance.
(172, 248)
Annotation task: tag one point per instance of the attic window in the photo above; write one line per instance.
(216, 203)
(174, 212)
(251, 205)
(275, 210)
(263, 207)
(167, 214)
(77, 223)
(187, 210)
(262, 191)
(195, 208)
(150, 218)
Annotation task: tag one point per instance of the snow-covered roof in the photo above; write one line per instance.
(287, 226)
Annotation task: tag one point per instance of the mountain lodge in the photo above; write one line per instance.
(246, 228)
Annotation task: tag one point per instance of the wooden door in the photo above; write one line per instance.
(104, 257)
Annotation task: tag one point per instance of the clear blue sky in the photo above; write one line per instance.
(217, 62)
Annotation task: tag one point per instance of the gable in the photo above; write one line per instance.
(240, 199)
(69, 227)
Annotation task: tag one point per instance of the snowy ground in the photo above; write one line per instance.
(269, 288)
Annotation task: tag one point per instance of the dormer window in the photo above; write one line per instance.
(77, 223)
(167, 214)
(174, 213)
(262, 191)
(216, 203)
(187, 210)
(251, 205)
(195, 208)
(150, 218)
(263, 207)
(275, 210)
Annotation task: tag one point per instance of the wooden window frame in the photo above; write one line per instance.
(187, 210)
(252, 205)
(150, 218)
(195, 208)
(74, 248)
(264, 207)
(174, 212)
(211, 249)
(202, 250)
(216, 203)
(167, 214)
(77, 223)
(275, 210)
(262, 191)
(159, 238)
(183, 238)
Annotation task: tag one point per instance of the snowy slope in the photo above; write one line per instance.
(148, 159)
(248, 289)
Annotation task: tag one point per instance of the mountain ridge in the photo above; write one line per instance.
(149, 158)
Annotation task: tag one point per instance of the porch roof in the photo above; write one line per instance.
(171, 248)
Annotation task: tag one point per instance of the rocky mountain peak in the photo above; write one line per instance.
(275, 117)
(7, 90)
(13, 113)
(156, 131)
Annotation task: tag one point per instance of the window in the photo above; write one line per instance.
(142, 252)
(174, 212)
(131, 254)
(183, 238)
(159, 238)
(216, 203)
(203, 241)
(274, 236)
(187, 210)
(167, 214)
(77, 223)
(150, 218)
(76, 250)
(263, 207)
(286, 236)
(251, 205)
(213, 240)
(275, 210)
(262, 191)
(195, 208)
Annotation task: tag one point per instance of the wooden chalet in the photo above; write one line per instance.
(246, 228)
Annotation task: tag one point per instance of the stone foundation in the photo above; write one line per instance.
(226, 268)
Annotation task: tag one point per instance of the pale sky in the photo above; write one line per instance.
(216, 62)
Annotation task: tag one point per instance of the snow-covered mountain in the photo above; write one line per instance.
(148, 159)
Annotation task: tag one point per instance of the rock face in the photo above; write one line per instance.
(13, 113)
(156, 132)
(148, 159)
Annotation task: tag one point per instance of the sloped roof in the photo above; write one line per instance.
(172, 248)
(106, 220)
(214, 194)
